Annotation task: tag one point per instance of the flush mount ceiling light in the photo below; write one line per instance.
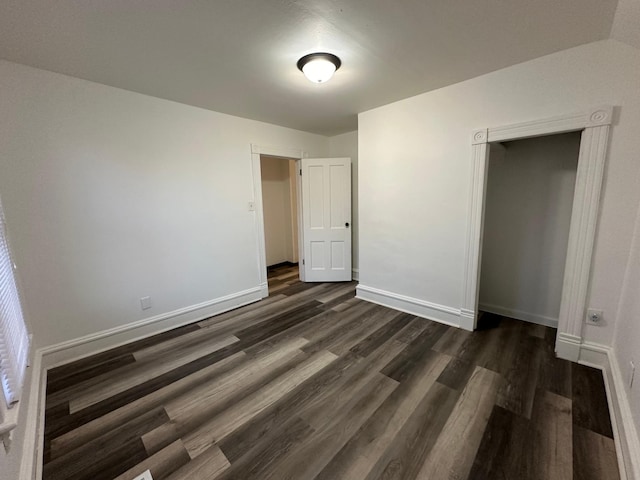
(319, 67)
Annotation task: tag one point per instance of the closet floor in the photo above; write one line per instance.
(312, 383)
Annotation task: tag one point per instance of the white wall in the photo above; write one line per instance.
(111, 195)
(414, 170)
(626, 344)
(626, 21)
(279, 221)
(346, 145)
(526, 226)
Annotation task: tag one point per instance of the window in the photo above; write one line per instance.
(14, 338)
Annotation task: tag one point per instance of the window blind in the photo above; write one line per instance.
(14, 338)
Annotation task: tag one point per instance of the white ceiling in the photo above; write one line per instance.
(239, 56)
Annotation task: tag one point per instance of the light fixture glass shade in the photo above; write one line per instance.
(319, 67)
(319, 70)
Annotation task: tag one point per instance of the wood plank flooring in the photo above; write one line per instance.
(312, 383)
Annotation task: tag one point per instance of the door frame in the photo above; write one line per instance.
(286, 153)
(594, 125)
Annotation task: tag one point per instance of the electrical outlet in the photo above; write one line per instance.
(632, 372)
(595, 317)
(145, 303)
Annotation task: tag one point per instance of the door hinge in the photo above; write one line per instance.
(300, 172)
(303, 261)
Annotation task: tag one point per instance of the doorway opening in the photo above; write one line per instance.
(529, 199)
(594, 126)
(323, 191)
(282, 277)
(280, 213)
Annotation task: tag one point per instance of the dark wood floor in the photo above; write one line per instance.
(312, 383)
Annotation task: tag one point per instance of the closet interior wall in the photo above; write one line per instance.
(528, 205)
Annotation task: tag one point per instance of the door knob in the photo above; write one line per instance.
(346, 224)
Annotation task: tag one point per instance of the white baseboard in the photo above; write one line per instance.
(594, 355)
(414, 306)
(65, 352)
(624, 430)
(520, 315)
(91, 344)
(630, 437)
(355, 274)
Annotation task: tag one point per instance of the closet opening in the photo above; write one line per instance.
(280, 210)
(529, 199)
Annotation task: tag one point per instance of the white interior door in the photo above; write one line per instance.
(326, 219)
